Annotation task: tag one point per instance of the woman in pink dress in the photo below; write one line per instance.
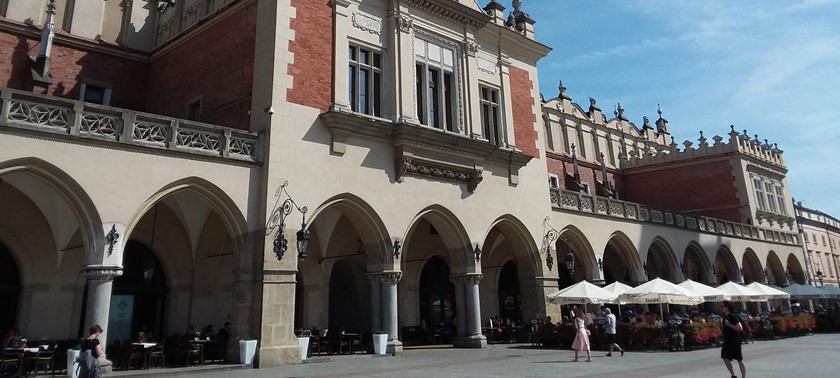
(581, 336)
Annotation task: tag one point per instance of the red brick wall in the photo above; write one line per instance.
(69, 66)
(312, 69)
(523, 111)
(589, 174)
(707, 185)
(217, 65)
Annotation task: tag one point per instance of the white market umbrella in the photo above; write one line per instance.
(618, 288)
(770, 292)
(740, 293)
(660, 291)
(708, 293)
(582, 292)
(798, 291)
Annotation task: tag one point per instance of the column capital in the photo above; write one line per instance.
(102, 272)
(464, 279)
(385, 277)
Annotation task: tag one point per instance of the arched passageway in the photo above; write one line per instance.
(139, 295)
(509, 296)
(794, 268)
(9, 290)
(696, 265)
(621, 262)
(436, 294)
(776, 270)
(751, 268)
(726, 267)
(661, 261)
(349, 306)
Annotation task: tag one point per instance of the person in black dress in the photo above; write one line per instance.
(95, 347)
(731, 349)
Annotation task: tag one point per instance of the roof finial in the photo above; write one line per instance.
(659, 110)
(562, 88)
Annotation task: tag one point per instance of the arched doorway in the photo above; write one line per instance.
(620, 261)
(695, 264)
(660, 261)
(795, 271)
(437, 295)
(509, 296)
(349, 307)
(726, 268)
(9, 290)
(139, 295)
(775, 269)
(751, 268)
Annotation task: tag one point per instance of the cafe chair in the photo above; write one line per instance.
(195, 353)
(136, 353)
(157, 356)
(10, 362)
(44, 360)
(323, 341)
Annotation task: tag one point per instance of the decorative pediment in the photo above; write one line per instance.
(425, 151)
(453, 10)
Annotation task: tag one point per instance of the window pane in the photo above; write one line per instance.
(497, 132)
(363, 91)
(447, 101)
(434, 53)
(376, 96)
(363, 56)
(94, 94)
(351, 88)
(447, 57)
(420, 47)
(419, 85)
(352, 53)
(377, 60)
(434, 111)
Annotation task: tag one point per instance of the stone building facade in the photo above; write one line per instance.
(821, 233)
(146, 154)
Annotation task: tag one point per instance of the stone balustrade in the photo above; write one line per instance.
(562, 199)
(76, 119)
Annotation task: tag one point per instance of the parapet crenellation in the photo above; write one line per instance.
(738, 144)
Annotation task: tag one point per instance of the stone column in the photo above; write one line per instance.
(474, 337)
(389, 310)
(375, 302)
(460, 311)
(100, 283)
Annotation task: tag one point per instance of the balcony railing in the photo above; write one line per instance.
(55, 115)
(586, 203)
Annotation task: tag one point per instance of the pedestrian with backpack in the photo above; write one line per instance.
(88, 359)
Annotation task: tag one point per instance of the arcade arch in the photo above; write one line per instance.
(776, 270)
(661, 261)
(797, 274)
(751, 268)
(573, 240)
(621, 261)
(726, 267)
(696, 264)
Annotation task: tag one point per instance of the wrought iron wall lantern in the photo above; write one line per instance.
(277, 221)
(163, 5)
(570, 261)
(820, 276)
(600, 264)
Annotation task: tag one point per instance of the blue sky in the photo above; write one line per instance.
(771, 67)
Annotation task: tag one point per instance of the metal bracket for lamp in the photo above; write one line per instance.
(277, 223)
(550, 236)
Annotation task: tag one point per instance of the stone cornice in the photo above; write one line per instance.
(452, 10)
(102, 272)
(424, 150)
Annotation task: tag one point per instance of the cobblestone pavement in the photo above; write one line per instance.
(810, 356)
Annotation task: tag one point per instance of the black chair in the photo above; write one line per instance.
(44, 359)
(135, 353)
(11, 362)
(157, 356)
(194, 351)
(323, 341)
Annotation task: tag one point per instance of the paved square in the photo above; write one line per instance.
(811, 356)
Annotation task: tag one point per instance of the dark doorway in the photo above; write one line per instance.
(509, 302)
(9, 290)
(140, 292)
(437, 295)
(349, 296)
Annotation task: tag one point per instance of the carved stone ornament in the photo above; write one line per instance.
(477, 252)
(487, 66)
(385, 277)
(466, 279)
(367, 22)
(102, 273)
(471, 47)
(405, 23)
(408, 165)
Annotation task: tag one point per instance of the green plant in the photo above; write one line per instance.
(378, 332)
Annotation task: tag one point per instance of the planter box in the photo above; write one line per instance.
(247, 351)
(71, 362)
(380, 343)
(304, 347)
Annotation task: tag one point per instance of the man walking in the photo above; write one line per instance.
(731, 349)
(611, 326)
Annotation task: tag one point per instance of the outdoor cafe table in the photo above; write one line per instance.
(146, 351)
(21, 354)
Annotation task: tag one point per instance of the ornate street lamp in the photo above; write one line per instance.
(277, 221)
(570, 263)
(820, 277)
